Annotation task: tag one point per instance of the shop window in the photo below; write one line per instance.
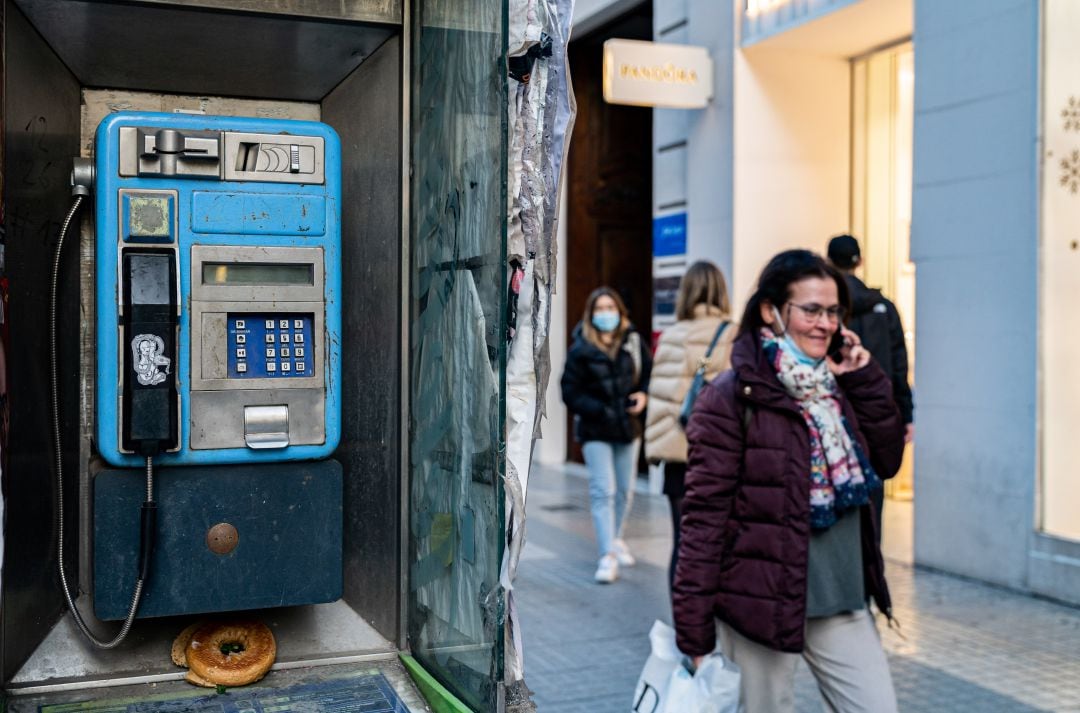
(883, 111)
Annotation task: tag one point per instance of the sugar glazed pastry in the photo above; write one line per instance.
(225, 653)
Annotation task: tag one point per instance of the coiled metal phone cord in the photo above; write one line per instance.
(58, 463)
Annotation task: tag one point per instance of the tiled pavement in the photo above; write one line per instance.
(967, 646)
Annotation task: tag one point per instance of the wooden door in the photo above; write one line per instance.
(609, 189)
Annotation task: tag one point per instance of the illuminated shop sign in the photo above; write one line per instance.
(757, 7)
(653, 74)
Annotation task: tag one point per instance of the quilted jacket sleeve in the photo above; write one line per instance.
(575, 390)
(715, 433)
(870, 394)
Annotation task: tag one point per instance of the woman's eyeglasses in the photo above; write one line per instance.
(814, 311)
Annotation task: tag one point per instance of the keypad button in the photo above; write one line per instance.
(299, 339)
(271, 367)
(285, 338)
(240, 324)
(283, 324)
(298, 324)
(241, 339)
(241, 353)
(269, 338)
(271, 352)
(284, 351)
(285, 366)
(269, 324)
(300, 366)
(241, 367)
(298, 351)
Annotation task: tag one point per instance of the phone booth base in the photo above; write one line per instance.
(231, 539)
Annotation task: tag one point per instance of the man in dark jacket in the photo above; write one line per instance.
(875, 319)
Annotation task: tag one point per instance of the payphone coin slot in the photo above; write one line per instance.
(165, 151)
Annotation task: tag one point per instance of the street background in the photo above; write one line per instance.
(965, 646)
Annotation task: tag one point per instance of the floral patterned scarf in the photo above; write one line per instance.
(840, 473)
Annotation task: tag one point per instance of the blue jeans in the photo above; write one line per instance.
(611, 488)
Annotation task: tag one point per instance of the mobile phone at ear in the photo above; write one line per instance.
(836, 344)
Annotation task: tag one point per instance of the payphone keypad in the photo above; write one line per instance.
(270, 345)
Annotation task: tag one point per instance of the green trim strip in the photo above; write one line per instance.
(436, 695)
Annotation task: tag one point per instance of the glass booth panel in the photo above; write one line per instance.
(457, 343)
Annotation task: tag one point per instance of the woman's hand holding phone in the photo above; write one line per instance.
(851, 356)
(635, 402)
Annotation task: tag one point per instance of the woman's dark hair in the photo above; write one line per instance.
(774, 285)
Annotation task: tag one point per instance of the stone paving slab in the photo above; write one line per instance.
(965, 646)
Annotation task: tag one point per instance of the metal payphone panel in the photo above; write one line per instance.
(249, 211)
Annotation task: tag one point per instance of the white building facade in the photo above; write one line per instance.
(946, 136)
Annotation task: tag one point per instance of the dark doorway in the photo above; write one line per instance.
(609, 232)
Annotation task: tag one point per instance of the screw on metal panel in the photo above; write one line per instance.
(222, 538)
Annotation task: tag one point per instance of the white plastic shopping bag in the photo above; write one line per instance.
(666, 686)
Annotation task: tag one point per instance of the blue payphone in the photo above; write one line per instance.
(225, 237)
(218, 320)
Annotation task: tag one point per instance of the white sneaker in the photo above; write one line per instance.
(608, 570)
(622, 554)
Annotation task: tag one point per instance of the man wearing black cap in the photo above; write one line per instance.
(875, 319)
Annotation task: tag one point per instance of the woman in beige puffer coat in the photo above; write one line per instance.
(702, 307)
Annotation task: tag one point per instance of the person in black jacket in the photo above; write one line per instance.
(874, 318)
(604, 386)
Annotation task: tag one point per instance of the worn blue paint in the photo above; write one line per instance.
(168, 212)
(669, 235)
(290, 220)
(258, 214)
(288, 517)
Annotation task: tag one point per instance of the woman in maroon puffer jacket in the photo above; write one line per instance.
(778, 550)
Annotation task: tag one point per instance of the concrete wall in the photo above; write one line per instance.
(792, 156)
(975, 243)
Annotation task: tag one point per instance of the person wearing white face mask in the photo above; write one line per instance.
(604, 385)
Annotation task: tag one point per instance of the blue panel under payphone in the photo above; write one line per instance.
(284, 522)
(220, 183)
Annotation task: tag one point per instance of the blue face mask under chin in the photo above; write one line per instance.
(606, 321)
(791, 347)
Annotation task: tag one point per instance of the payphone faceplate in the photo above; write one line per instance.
(248, 212)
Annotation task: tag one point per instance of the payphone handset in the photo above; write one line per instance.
(218, 287)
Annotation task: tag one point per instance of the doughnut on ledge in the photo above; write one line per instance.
(212, 667)
(179, 647)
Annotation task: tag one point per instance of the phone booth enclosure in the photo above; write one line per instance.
(343, 70)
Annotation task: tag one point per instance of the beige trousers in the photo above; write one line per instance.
(844, 654)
